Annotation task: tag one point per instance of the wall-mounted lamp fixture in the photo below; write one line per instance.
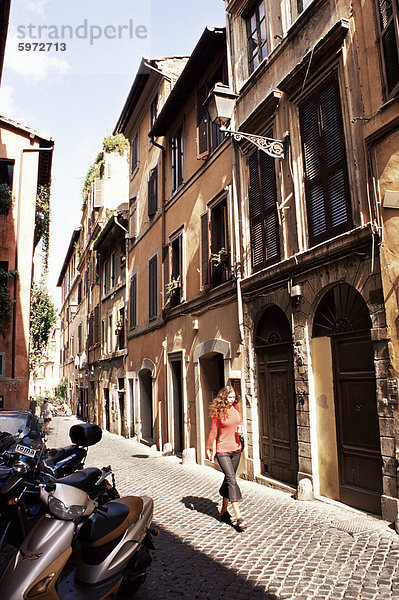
(295, 292)
(220, 105)
(195, 325)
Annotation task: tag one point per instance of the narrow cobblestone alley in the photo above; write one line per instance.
(291, 550)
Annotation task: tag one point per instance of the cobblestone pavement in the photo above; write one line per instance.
(291, 550)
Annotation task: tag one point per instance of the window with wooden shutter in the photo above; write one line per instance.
(256, 36)
(219, 258)
(96, 324)
(98, 200)
(264, 225)
(388, 37)
(302, 4)
(204, 250)
(80, 291)
(133, 302)
(173, 295)
(133, 217)
(134, 152)
(105, 277)
(153, 111)
(202, 123)
(165, 264)
(153, 192)
(112, 271)
(177, 160)
(152, 288)
(209, 136)
(79, 339)
(91, 330)
(326, 175)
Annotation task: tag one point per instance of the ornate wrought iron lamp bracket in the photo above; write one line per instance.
(274, 148)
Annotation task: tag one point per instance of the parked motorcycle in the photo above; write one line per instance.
(80, 550)
(27, 466)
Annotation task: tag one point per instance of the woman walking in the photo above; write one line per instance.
(226, 429)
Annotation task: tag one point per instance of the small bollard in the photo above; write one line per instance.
(305, 490)
(189, 456)
(167, 449)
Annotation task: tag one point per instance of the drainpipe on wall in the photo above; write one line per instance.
(237, 249)
(163, 225)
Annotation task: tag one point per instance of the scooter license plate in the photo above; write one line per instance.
(25, 450)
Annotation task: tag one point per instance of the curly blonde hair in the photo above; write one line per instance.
(220, 405)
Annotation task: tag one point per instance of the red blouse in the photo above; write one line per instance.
(227, 440)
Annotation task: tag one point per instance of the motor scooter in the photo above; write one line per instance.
(79, 550)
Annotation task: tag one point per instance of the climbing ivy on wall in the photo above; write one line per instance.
(6, 304)
(5, 198)
(43, 316)
(42, 222)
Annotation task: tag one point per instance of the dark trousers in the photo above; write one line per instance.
(229, 462)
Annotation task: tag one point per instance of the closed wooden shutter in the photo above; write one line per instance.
(173, 162)
(265, 239)
(153, 192)
(134, 152)
(91, 330)
(133, 302)
(133, 217)
(98, 193)
(204, 250)
(180, 157)
(202, 123)
(152, 288)
(326, 176)
(269, 208)
(387, 26)
(96, 324)
(165, 272)
(177, 160)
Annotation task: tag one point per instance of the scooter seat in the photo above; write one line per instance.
(83, 479)
(110, 521)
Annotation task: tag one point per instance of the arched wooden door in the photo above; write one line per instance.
(343, 316)
(278, 441)
(146, 412)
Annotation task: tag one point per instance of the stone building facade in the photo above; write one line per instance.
(79, 279)
(25, 166)
(319, 304)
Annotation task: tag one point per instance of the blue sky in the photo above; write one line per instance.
(76, 95)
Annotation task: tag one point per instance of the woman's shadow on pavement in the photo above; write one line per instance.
(202, 505)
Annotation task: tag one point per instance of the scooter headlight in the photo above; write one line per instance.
(67, 513)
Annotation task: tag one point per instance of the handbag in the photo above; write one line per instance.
(242, 441)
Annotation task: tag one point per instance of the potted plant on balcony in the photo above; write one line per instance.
(170, 288)
(217, 258)
(119, 326)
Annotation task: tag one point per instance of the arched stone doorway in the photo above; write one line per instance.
(211, 371)
(342, 341)
(278, 441)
